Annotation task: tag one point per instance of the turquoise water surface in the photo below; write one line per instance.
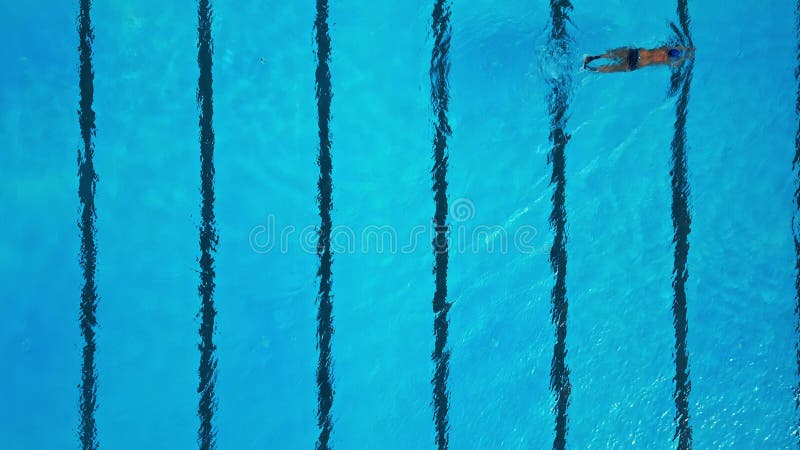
(740, 292)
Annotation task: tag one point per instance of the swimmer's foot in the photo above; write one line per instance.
(587, 59)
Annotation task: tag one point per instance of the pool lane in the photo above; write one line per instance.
(499, 183)
(149, 211)
(40, 340)
(741, 289)
(265, 122)
(383, 128)
(621, 255)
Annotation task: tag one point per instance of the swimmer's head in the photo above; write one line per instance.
(674, 53)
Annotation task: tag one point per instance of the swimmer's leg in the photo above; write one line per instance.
(617, 53)
(623, 67)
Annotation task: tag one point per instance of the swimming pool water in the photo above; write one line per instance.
(740, 291)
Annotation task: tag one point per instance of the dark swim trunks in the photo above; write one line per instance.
(633, 59)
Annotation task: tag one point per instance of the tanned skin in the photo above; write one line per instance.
(647, 57)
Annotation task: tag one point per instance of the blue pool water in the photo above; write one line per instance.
(740, 291)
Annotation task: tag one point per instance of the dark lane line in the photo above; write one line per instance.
(206, 434)
(439, 71)
(325, 203)
(87, 179)
(558, 104)
(795, 225)
(685, 21)
(681, 221)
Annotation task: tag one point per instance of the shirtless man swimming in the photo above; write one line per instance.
(628, 59)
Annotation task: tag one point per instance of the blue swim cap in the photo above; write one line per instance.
(674, 53)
